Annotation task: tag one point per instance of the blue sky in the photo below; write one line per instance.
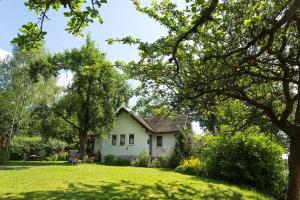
(120, 19)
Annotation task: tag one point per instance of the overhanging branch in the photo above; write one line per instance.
(204, 17)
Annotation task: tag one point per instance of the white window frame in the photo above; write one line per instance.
(121, 135)
(112, 139)
(129, 139)
(161, 141)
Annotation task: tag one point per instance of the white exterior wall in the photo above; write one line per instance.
(125, 124)
(168, 143)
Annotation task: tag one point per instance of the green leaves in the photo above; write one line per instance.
(80, 13)
(30, 37)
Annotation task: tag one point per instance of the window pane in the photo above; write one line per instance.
(114, 139)
(122, 140)
(131, 139)
(159, 141)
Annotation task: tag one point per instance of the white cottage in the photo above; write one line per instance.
(133, 134)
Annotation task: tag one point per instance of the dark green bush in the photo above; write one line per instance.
(122, 162)
(118, 161)
(23, 147)
(109, 159)
(252, 160)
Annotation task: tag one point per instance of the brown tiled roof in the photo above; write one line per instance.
(166, 125)
(160, 125)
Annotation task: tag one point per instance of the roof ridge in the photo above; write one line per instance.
(149, 124)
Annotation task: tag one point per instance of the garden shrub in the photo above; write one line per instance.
(134, 162)
(118, 161)
(191, 166)
(53, 157)
(122, 162)
(155, 163)
(87, 159)
(61, 156)
(144, 159)
(109, 159)
(172, 160)
(22, 147)
(252, 160)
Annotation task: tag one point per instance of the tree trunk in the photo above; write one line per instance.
(83, 144)
(294, 168)
(6, 150)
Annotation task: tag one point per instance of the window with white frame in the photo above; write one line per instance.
(131, 138)
(114, 139)
(122, 139)
(159, 141)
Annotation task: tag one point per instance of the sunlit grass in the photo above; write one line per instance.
(54, 180)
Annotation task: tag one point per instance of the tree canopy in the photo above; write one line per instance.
(19, 94)
(97, 90)
(220, 50)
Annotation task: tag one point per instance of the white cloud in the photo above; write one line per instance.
(4, 54)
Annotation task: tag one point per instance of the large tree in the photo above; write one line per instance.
(19, 94)
(97, 90)
(220, 50)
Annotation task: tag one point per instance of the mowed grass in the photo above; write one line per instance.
(54, 180)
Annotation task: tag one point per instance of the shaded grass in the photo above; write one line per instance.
(58, 180)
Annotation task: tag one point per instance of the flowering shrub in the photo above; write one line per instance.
(191, 166)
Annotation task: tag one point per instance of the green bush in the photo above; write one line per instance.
(252, 160)
(191, 166)
(109, 159)
(118, 161)
(144, 159)
(155, 163)
(135, 162)
(172, 160)
(61, 156)
(122, 162)
(53, 157)
(22, 147)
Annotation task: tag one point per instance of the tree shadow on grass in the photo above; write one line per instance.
(37, 163)
(129, 190)
(13, 168)
(21, 165)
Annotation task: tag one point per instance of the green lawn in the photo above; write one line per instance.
(54, 180)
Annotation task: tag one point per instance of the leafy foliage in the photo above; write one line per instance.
(97, 90)
(23, 147)
(191, 166)
(19, 94)
(80, 13)
(247, 159)
(222, 50)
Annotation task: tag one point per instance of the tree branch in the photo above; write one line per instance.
(205, 16)
(67, 120)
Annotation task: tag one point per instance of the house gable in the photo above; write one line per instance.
(126, 125)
